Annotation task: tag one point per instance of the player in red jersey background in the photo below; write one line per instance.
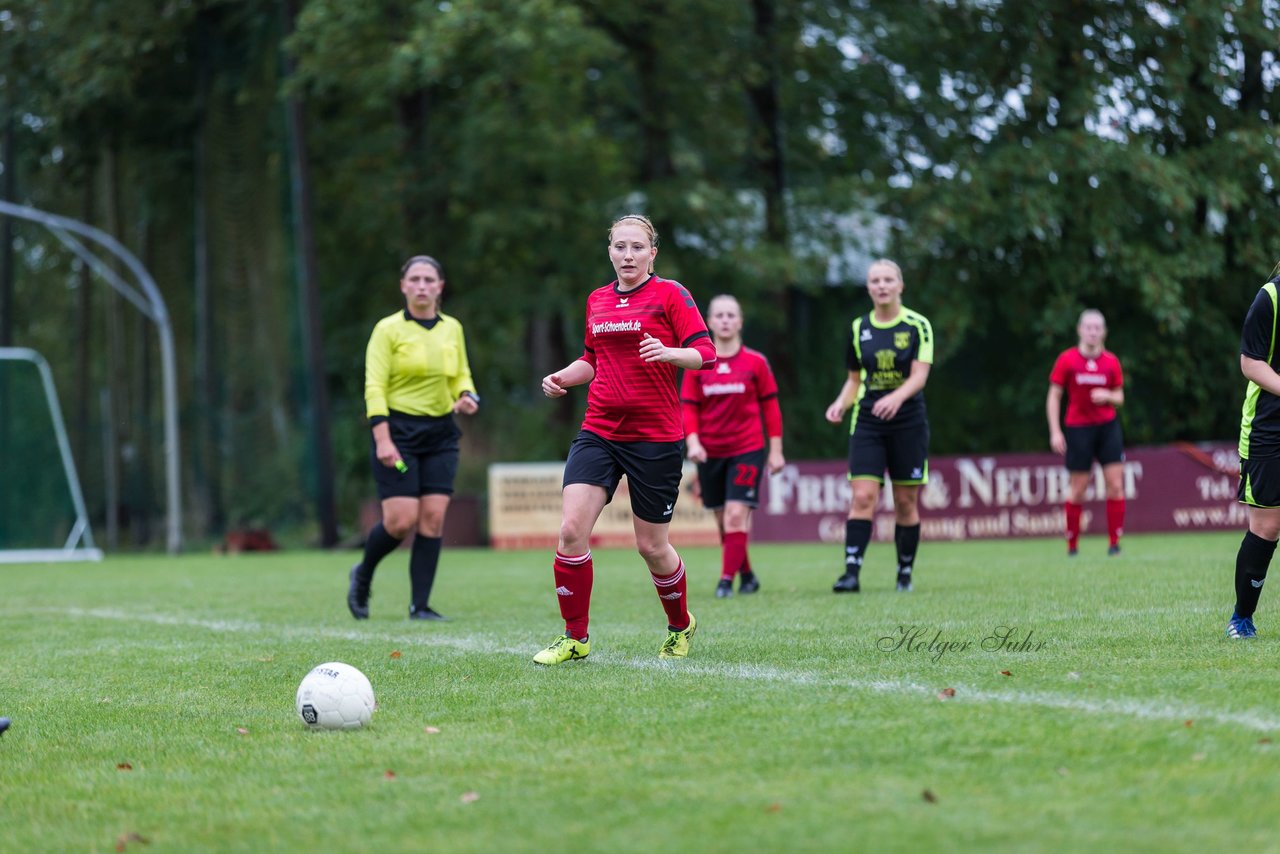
(640, 329)
(722, 417)
(1091, 378)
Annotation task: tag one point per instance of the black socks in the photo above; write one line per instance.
(1252, 562)
(857, 535)
(422, 568)
(378, 545)
(907, 539)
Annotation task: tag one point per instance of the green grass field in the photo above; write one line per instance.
(153, 697)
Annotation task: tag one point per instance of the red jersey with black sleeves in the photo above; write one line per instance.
(724, 405)
(1079, 375)
(631, 400)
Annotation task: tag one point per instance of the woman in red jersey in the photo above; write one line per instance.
(640, 329)
(1094, 384)
(722, 411)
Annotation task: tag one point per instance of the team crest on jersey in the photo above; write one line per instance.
(866, 335)
(1091, 365)
(902, 340)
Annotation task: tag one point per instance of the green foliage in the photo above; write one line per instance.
(1022, 162)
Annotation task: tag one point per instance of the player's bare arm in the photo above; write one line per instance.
(1052, 410)
(653, 350)
(575, 373)
(1260, 373)
(848, 394)
(887, 407)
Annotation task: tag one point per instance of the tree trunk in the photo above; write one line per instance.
(769, 153)
(117, 434)
(80, 430)
(306, 266)
(6, 232)
(207, 485)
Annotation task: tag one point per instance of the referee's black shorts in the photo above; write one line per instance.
(429, 445)
(1102, 442)
(653, 471)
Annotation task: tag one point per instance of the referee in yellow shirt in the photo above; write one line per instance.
(416, 378)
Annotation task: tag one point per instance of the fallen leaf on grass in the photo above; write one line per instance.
(929, 796)
(105, 700)
(395, 653)
(469, 797)
(266, 658)
(123, 766)
(242, 730)
(431, 730)
(1187, 723)
(388, 775)
(946, 693)
(773, 807)
(123, 840)
(1264, 740)
(1005, 673)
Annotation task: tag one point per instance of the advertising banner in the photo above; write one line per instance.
(524, 510)
(1170, 488)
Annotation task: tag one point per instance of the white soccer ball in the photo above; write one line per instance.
(335, 696)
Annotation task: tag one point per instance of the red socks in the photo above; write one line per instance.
(573, 589)
(734, 555)
(1115, 519)
(671, 591)
(1073, 524)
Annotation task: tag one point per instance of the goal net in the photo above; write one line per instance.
(42, 510)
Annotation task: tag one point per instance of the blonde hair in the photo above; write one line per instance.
(642, 221)
(714, 299)
(886, 262)
(1092, 312)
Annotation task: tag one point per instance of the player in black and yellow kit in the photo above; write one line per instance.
(890, 353)
(1259, 454)
(416, 377)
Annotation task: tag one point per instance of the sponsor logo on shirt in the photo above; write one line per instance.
(622, 302)
(724, 388)
(615, 326)
(723, 368)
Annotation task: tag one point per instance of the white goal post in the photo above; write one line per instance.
(79, 544)
(151, 304)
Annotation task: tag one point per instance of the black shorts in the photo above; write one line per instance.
(904, 451)
(429, 445)
(735, 478)
(1101, 442)
(653, 471)
(1260, 483)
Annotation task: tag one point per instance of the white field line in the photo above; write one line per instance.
(1118, 706)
